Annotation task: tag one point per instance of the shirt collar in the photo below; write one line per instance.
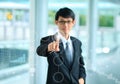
(63, 38)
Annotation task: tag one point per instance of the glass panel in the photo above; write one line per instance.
(19, 15)
(27, 33)
(1, 33)
(19, 33)
(1, 15)
(26, 16)
(9, 33)
(14, 44)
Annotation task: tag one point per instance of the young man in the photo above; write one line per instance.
(63, 52)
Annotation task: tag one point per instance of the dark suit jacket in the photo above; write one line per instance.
(58, 70)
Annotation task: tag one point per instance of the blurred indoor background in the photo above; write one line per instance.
(24, 22)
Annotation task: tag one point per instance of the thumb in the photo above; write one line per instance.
(57, 46)
(57, 40)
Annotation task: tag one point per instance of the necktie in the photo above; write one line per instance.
(68, 54)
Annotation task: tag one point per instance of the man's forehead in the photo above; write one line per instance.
(62, 18)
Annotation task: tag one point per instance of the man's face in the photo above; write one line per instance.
(65, 24)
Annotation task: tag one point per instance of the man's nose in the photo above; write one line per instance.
(66, 23)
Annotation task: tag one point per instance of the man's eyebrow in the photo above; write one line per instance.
(65, 20)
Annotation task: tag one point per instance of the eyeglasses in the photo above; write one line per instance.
(63, 22)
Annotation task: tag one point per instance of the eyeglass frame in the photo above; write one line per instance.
(63, 22)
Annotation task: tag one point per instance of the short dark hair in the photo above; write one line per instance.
(65, 12)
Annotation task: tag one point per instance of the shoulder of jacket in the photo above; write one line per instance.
(48, 38)
(75, 39)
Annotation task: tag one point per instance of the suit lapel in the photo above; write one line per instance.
(61, 59)
(75, 57)
(64, 66)
(62, 54)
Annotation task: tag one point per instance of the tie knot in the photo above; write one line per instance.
(67, 44)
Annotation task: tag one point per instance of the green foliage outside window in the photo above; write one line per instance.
(106, 21)
(19, 15)
(51, 16)
(82, 20)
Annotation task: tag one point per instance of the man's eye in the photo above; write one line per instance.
(68, 21)
(62, 21)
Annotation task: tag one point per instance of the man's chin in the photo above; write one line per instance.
(65, 33)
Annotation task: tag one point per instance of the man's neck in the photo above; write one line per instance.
(66, 36)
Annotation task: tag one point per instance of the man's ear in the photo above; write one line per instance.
(74, 21)
(56, 22)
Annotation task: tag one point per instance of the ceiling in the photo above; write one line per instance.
(16, 1)
(22, 1)
(117, 2)
(57, 1)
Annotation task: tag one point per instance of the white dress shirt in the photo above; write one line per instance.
(64, 41)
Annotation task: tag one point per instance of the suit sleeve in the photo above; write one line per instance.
(82, 71)
(42, 48)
